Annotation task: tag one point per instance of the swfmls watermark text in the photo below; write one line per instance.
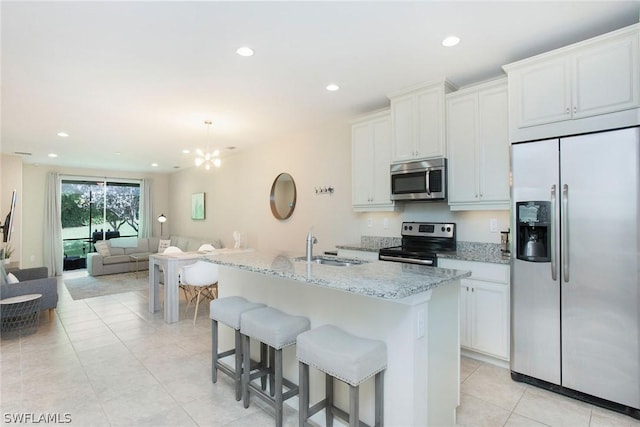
(36, 418)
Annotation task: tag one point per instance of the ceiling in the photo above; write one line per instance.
(133, 82)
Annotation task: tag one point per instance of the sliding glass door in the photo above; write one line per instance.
(95, 210)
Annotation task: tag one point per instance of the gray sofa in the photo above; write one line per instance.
(32, 281)
(119, 251)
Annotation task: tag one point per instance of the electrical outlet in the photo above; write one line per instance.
(370, 223)
(493, 225)
(385, 223)
(33, 258)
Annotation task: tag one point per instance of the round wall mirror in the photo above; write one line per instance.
(283, 196)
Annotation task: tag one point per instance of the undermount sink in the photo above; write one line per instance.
(338, 262)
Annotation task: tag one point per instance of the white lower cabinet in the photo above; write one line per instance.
(484, 307)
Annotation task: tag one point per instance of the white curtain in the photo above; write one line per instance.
(53, 249)
(146, 210)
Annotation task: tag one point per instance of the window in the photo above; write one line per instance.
(95, 210)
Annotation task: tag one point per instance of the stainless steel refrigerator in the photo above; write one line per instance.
(575, 266)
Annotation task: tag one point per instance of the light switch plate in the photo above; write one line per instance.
(493, 225)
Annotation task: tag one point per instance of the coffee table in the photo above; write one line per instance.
(137, 258)
(21, 313)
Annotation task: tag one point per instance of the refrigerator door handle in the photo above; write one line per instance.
(565, 232)
(554, 237)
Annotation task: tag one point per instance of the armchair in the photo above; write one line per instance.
(32, 281)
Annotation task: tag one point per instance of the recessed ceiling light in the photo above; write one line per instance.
(244, 51)
(155, 165)
(52, 155)
(186, 151)
(332, 87)
(63, 134)
(118, 153)
(450, 41)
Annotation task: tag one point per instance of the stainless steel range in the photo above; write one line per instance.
(421, 242)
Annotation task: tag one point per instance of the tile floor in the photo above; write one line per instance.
(107, 362)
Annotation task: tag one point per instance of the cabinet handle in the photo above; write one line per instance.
(567, 110)
(467, 289)
(575, 109)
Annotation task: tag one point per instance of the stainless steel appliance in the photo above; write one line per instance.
(421, 242)
(574, 273)
(419, 181)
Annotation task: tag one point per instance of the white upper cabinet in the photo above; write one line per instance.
(478, 147)
(417, 116)
(589, 86)
(371, 157)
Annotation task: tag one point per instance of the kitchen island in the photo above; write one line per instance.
(413, 309)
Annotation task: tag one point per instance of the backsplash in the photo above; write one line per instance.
(377, 242)
(490, 249)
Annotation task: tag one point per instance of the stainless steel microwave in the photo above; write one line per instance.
(419, 181)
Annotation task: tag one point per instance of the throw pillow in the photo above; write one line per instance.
(164, 244)
(12, 279)
(102, 248)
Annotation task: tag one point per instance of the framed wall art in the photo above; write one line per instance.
(197, 206)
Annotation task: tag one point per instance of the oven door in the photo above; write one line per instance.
(425, 180)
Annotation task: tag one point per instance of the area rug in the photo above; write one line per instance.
(91, 287)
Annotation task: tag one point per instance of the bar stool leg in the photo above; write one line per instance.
(239, 357)
(303, 408)
(278, 384)
(214, 351)
(272, 369)
(379, 397)
(329, 396)
(264, 361)
(354, 406)
(246, 361)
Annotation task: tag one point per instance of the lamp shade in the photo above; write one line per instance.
(162, 218)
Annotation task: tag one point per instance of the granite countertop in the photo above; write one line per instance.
(467, 251)
(386, 280)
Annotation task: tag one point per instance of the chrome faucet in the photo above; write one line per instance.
(311, 240)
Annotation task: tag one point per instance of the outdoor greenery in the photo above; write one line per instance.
(83, 211)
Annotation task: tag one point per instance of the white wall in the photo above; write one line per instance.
(237, 194)
(11, 179)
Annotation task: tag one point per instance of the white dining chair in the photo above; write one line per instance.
(202, 277)
(206, 248)
(185, 289)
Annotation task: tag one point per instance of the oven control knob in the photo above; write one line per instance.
(442, 229)
(448, 229)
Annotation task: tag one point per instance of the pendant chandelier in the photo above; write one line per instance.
(208, 158)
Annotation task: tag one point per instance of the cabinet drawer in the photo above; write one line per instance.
(479, 270)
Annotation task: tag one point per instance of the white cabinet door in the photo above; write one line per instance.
(371, 157)
(381, 141)
(478, 147)
(429, 140)
(418, 123)
(484, 307)
(543, 93)
(462, 117)
(402, 110)
(606, 78)
(490, 318)
(493, 145)
(362, 161)
(465, 307)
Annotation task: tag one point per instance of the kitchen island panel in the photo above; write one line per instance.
(422, 376)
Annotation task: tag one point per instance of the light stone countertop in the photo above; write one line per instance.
(386, 280)
(467, 251)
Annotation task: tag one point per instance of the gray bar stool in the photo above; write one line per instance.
(227, 311)
(346, 357)
(277, 330)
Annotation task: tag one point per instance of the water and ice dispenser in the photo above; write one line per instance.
(533, 234)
